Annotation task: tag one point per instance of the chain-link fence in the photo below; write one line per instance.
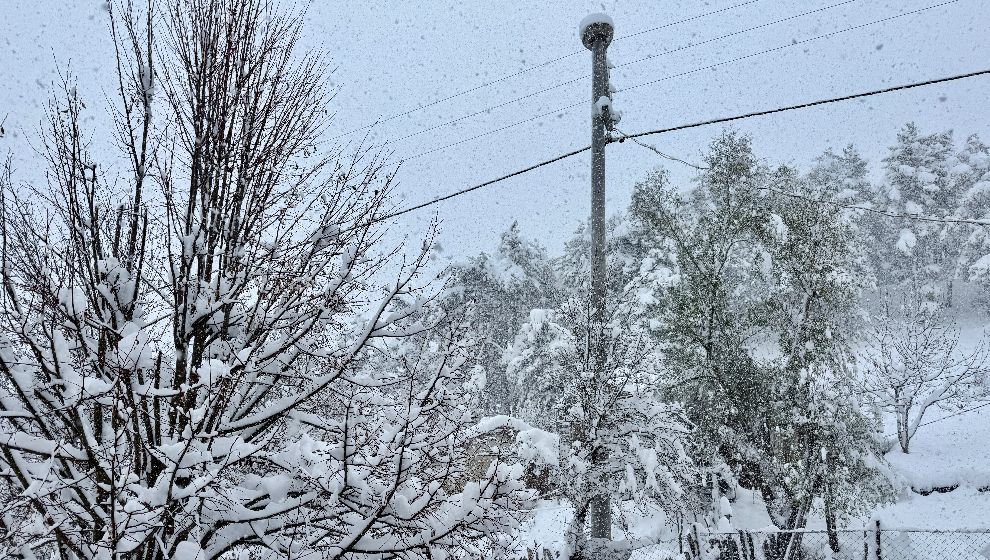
(870, 544)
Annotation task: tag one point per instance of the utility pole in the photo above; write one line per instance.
(596, 34)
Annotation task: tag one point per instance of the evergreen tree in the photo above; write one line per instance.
(919, 181)
(972, 176)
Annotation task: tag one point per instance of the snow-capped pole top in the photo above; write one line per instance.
(594, 27)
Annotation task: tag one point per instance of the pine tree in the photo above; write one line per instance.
(918, 177)
(972, 177)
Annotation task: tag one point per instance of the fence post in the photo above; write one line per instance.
(878, 540)
(866, 544)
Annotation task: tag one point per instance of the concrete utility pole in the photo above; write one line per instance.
(596, 34)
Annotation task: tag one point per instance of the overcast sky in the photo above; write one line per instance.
(395, 56)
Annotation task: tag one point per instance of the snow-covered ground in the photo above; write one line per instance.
(546, 529)
(950, 452)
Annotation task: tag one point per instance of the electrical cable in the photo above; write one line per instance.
(656, 150)
(692, 18)
(916, 217)
(559, 110)
(534, 67)
(672, 76)
(805, 105)
(482, 185)
(710, 122)
(493, 107)
(586, 76)
(959, 413)
(734, 33)
(789, 45)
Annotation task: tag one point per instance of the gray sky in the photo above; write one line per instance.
(395, 56)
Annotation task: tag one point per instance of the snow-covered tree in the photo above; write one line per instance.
(201, 357)
(919, 182)
(972, 177)
(613, 439)
(751, 294)
(497, 292)
(842, 178)
(913, 363)
(702, 284)
(828, 447)
(617, 440)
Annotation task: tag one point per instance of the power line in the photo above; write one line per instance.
(586, 76)
(805, 105)
(672, 76)
(734, 33)
(788, 45)
(666, 25)
(916, 217)
(711, 122)
(530, 69)
(657, 151)
(492, 108)
(959, 413)
(464, 92)
(482, 185)
(496, 130)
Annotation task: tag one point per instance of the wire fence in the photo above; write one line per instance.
(866, 544)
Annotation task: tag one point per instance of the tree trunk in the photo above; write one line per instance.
(601, 517)
(830, 525)
(903, 426)
(576, 537)
(903, 438)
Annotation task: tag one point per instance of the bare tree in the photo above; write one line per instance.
(198, 355)
(913, 362)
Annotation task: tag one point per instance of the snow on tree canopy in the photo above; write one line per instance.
(592, 19)
(247, 376)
